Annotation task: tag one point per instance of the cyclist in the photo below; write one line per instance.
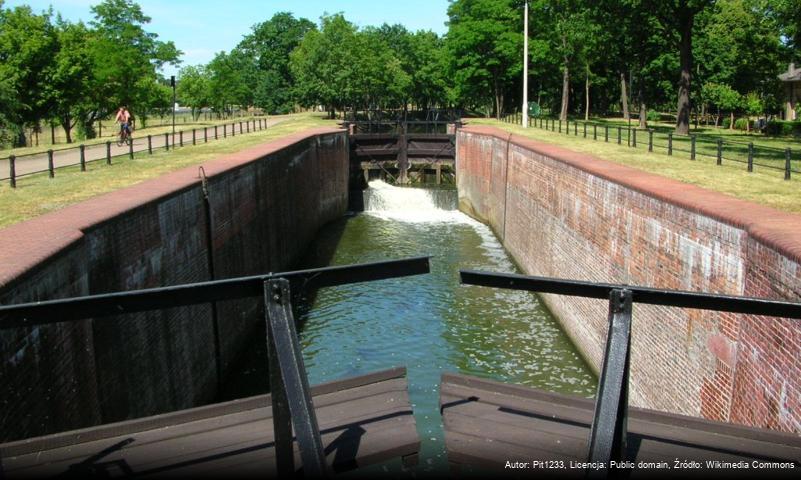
(124, 118)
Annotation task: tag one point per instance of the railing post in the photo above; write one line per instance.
(606, 133)
(628, 136)
(289, 385)
(12, 170)
(670, 143)
(51, 171)
(692, 147)
(585, 129)
(82, 150)
(233, 129)
(633, 137)
(108, 152)
(787, 169)
(194, 139)
(181, 138)
(130, 149)
(595, 132)
(609, 425)
(247, 123)
(215, 132)
(205, 134)
(560, 125)
(575, 129)
(650, 140)
(751, 156)
(150, 144)
(225, 130)
(619, 137)
(167, 141)
(720, 151)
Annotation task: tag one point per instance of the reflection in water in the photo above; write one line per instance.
(428, 323)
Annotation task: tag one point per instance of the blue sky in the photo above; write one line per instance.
(200, 28)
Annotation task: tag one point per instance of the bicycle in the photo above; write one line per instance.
(124, 138)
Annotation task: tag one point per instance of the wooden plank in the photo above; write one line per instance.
(369, 422)
(527, 420)
(73, 437)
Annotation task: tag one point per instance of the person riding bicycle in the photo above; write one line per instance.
(124, 118)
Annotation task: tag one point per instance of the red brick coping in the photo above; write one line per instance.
(25, 245)
(778, 230)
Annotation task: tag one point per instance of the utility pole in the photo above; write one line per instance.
(525, 65)
(172, 83)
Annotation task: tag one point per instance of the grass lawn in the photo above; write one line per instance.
(110, 130)
(38, 194)
(765, 185)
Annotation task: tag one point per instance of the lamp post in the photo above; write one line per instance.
(172, 84)
(525, 65)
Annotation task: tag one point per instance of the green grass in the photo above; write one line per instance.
(765, 185)
(110, 130)
(37, 194)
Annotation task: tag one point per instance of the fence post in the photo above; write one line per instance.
(82, 149)
(585, 130)
(130, 150)
(233, 129)
(692, 147)
(650, 140)
(670, 143)
(12, 170)
(205, 134)
(606, 133)
(215, 132)
(633, 138)
(720, 151)
(619, 138)
(50, 167)
(108, 153)
(194, 142)
(167, 141)
(575, 128)
(628, 136)
(751, 156)
(247, 123)
(560, 125)
(595, 132)
(150, 144)
(225, 130)
(181, 138)
(787, 154)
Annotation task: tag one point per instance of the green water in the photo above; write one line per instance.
(430, 323)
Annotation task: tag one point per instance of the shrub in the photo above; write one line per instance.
(726, 123)
(782, 128)
(741, 124)
(653, 116)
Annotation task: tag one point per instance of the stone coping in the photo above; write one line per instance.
(778, 230)
(25, 245)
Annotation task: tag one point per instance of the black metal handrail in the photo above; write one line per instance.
(608, 430)
(290, 396)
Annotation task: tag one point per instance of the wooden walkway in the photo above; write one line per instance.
(488, 423)
(363, 420)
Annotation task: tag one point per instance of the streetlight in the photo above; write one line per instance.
(525, 65)
(172, 84)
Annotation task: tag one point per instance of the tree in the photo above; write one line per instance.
(679, 16)
(193, 89)
(484, 45)
(268, 47)
(27, 47)
(722, 96)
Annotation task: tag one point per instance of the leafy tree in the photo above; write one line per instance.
(27, 46)
(268, 47)
(193, 89)
(724, 97)
(484, 45)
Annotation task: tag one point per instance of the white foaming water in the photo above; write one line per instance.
(414, 205)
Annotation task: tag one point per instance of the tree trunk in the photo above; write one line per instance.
(66, 124)
(686, 61)
(498, 99)
(624, 96)
(643, 115)
(587, 95)
(52, 133)
(565, 92)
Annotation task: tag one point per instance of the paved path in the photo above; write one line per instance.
(38, 162)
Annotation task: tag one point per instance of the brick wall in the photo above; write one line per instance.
(568, 215)
(266, 203)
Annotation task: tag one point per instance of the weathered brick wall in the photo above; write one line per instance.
(568, 215)
(266, 203)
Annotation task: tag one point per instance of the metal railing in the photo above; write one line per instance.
(693, 146)
(15, 166)
(609, 426)
(291, 400)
